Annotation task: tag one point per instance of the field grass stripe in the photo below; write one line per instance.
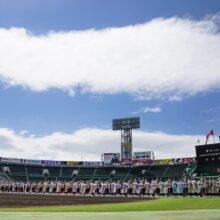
(159, 215)
(152, 205)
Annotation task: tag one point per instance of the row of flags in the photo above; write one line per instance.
(210, 133)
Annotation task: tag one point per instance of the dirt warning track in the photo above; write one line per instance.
(28, 200)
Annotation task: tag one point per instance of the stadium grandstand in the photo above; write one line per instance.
(29, 170)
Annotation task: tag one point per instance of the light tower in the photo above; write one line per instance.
(126, 125)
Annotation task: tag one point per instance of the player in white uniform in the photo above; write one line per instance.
(189, 186)
(129, 187)
(194, 187)
(141, 188)
(114, 187)
(199, 187)
(218, 186)
(134, 187)
(118, 188)
(179, 188)
(102, 189)
(107, 188)
(161, 187)
(166, 188)
(124, 190)
(152, 187)
(147, 187)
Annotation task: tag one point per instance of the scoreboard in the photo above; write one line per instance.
(126, 123)
(209, 153)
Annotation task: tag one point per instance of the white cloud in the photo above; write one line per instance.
(211, 110)
(148, 110)
(153, 110)
(90, 143)
(163, 58)
(23, 132)
(175, 98)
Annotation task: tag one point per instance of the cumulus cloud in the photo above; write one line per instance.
(163, 58)
(90, 143)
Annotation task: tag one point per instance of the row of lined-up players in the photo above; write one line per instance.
(128, 187)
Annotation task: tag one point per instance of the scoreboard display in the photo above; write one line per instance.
(209, 153)
(126, 123)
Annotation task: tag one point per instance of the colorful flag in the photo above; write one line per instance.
(209, 134)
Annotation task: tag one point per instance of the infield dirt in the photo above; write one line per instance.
(11, 200)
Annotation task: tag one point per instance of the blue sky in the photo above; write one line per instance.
(41, 16)
(69, 67)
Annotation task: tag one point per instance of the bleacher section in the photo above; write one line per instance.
(86, 173)
(121, 172)
(66, 174)
(157, 171)
(102, 173)
(208, 170)
(175, 171)
(29, 172)
(34, 172)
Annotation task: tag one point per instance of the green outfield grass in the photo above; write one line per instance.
(153, 215)
(162, 204)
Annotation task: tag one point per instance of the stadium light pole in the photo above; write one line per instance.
(125, 125)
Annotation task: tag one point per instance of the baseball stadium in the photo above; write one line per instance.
(109, 109)
(127, 184)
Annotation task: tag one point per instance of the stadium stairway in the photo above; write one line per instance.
(192, 167)
(5, 177)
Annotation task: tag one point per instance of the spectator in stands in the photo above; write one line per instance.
(114, 159)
